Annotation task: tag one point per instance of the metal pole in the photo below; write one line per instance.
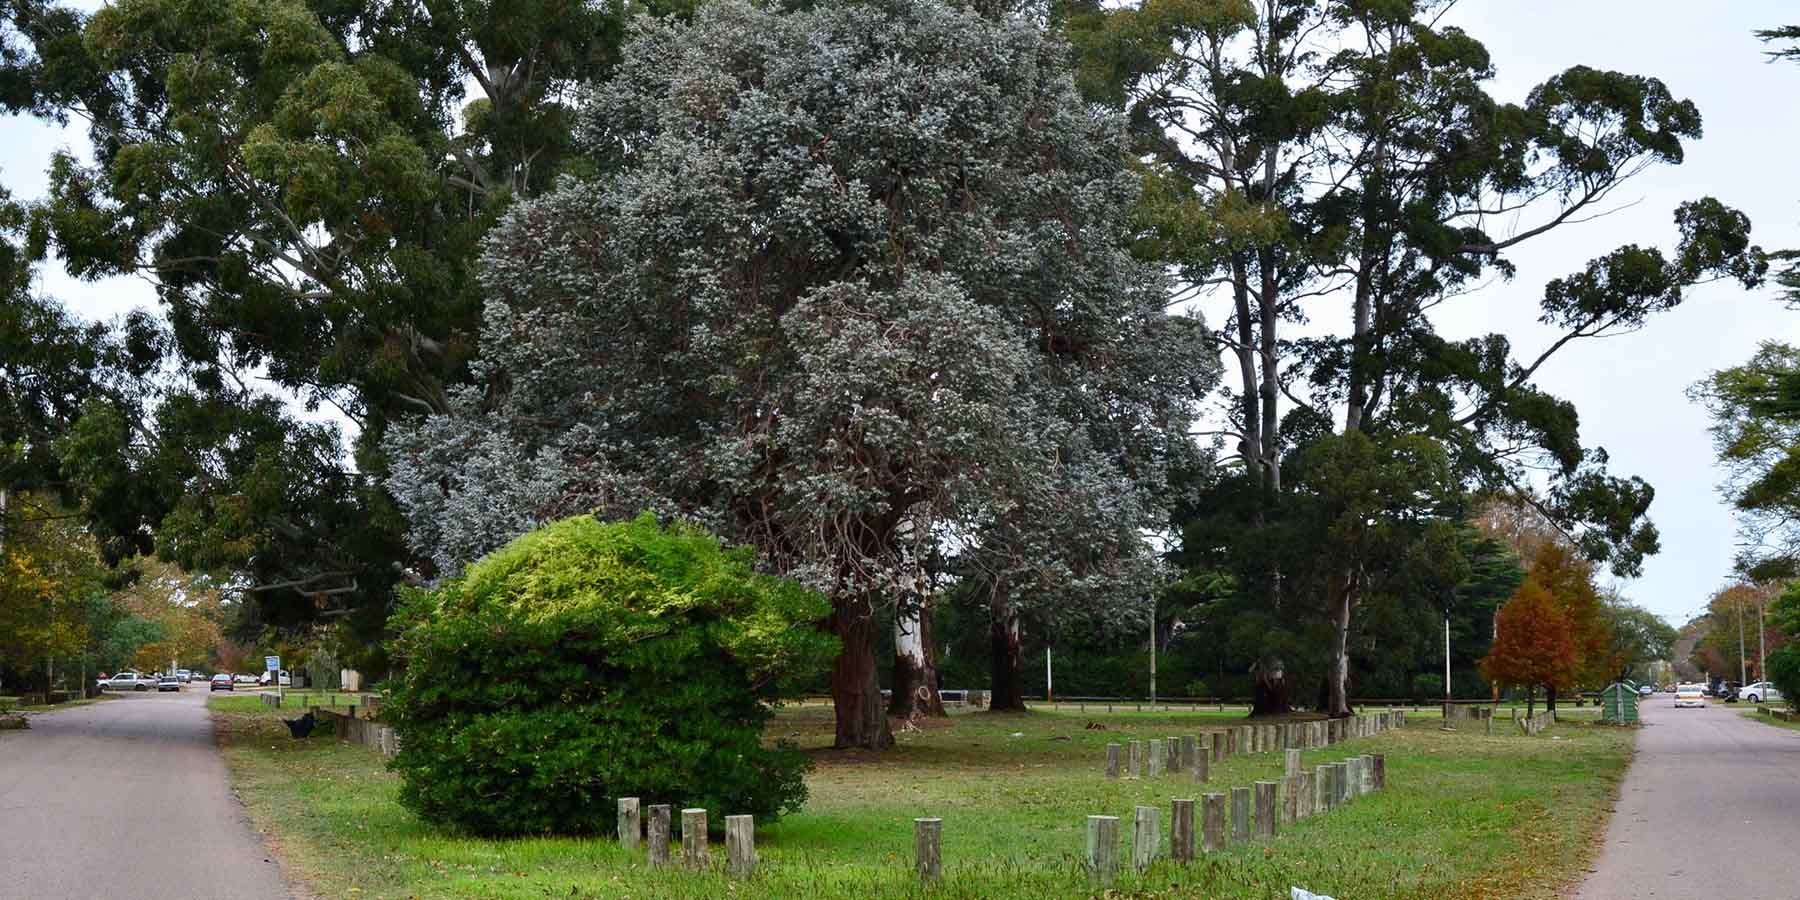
(1049, 678)
(1446, 665)
(1740, 617)
(1762, 648)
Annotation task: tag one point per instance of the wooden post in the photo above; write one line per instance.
(1240, 815)
(1307, 792)
(1340, 784)
(1215, 743)
(629, 826)
(1379, 763)
(1146, 839)
(1153, 754)
(1181, 830)
(928, 855)
(1137, 758)
(693, 838)
(1103, 848)
(740, 846)
(1293, 763)
(1367, 771)
(1212, 821)
(1190, 752)
(1290, 799)
(659, 834)
(1172, 763)
(1112, 761)
(1201, 764)
(1265, 809)
(1323, 797)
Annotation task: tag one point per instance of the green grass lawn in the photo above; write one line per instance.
(1757, 714)
(1465, 815)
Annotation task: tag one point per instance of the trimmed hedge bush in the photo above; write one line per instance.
(585, 662)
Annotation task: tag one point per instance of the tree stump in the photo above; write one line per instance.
(629, 826)
(1265, 809)
(1147, 837)
(1212, 821)
(928, 855)
(693, 839)
(1103, 848)
(1181, 831)
(740, 845)
(1240, 815)
(659, 834)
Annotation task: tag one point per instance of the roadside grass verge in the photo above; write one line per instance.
(1758, 715)
(1465, 815)
(11, 704)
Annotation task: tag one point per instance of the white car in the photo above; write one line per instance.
(1760, 691)
(1690, 695)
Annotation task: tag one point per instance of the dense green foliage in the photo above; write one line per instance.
(585, 662)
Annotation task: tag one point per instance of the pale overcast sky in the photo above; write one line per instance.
(1629, 390)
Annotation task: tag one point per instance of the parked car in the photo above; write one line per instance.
(286, 679)
(184, 675)
(169, 683)
(130, 681)
(1690, 695)
(221, 682)
(1645, 690)
(1760, 691)
(245, 679)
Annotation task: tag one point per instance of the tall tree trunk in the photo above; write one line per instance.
(855, 689)
(1269, 689)
(915, 665)
(1550, 699)
(1008, 689)
(1530, 700)
(1339, 705)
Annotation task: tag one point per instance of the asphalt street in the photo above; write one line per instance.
(1709, 808)
(126, 799)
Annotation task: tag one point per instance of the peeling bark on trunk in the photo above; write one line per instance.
(1008, 691)
(1338, 705)
(915, 666)
(855, 690)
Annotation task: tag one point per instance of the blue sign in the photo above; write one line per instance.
(272, 663)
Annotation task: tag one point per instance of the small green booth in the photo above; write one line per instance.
(1618, 704)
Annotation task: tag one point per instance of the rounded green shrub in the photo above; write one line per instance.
(585, 662)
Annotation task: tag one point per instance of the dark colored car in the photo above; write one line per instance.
(222, 682)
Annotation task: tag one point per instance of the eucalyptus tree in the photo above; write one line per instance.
(305, 183)
(860, 276)
(1343, 164)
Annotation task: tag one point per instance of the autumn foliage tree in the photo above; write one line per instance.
(1534, 643)
(1569, 582)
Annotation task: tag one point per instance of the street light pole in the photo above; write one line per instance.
(1446, 665)
(1153, 654)
(1740, 611)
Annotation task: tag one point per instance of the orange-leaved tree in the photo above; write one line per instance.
(1569, 580)
(1534, 644)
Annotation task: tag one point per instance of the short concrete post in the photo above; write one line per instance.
(659, 834)
(1112, 760)
(1240, 815)
(928, 856)
(1103, 848)
(1293, 763)
(1378, 762)
(629, 825)
(1322, 793)
(740, 845)
(1190, 752)
(1212, 821)
(1265, 809)
(1137, 759)
(693, 838)
(1181, 831)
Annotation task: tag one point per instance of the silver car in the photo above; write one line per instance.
(130, 681)
(169, 683)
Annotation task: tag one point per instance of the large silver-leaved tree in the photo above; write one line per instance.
(855, 289)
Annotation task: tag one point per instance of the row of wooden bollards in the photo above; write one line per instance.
(740, 837)
(1299, 795)
(1194, 753)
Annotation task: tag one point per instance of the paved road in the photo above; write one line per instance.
(126, 799)
(1710, 808)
